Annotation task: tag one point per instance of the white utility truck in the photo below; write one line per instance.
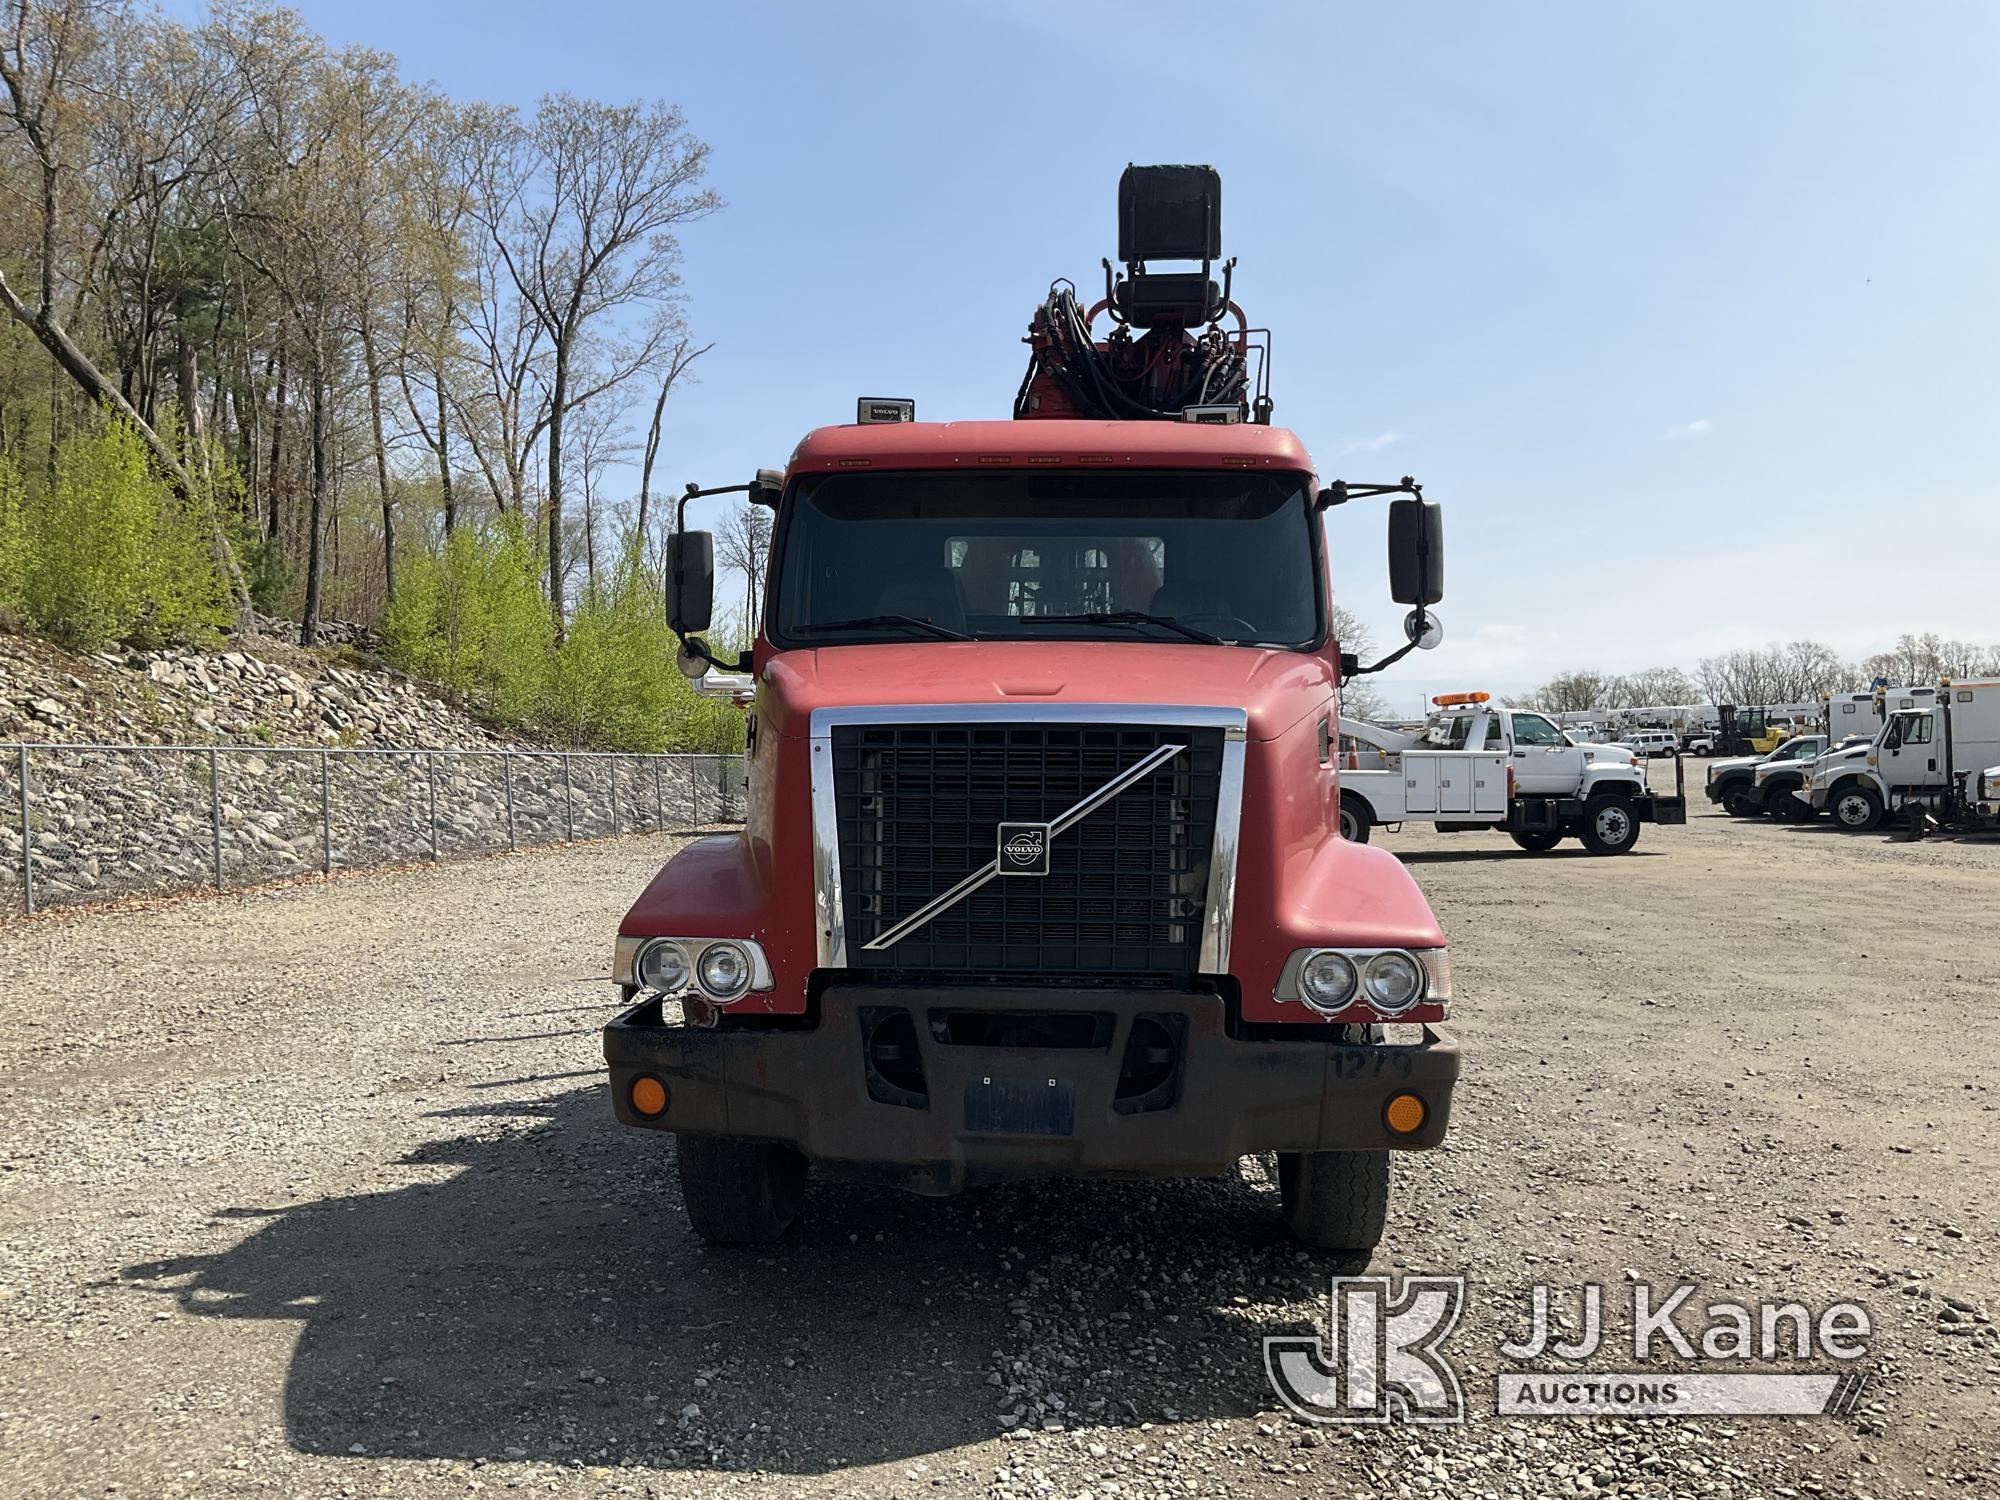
(1932, 748)
(1479, 765)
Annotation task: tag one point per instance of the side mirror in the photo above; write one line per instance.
(766, 487)
(690, 581)
(1416, 551)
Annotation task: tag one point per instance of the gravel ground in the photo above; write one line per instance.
(316, 1192)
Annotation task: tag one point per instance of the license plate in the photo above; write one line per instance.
(1020, 1106)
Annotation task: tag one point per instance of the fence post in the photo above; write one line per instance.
(694, 791)
(431, 776)
(27, 839)
(215, 809)
(659, 797)
(325, 813)
(614, 796)
(507, 760)
(569, 805)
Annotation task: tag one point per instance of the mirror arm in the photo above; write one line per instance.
(1341, 491)
(695, 645)
(1350, 666)
(696, 492)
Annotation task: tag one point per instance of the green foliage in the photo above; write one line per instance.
(472, 618)
(268, 575)
(13, 536)
(108, 552)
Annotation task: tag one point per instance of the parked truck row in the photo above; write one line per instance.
(1877, 756)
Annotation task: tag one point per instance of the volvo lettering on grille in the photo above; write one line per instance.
(1023, 848)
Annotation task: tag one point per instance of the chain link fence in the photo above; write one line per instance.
(81, 823)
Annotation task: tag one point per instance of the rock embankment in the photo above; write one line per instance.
(257, 765)
(273, 695)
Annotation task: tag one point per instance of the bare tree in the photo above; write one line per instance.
(581, 212)
(1360, 698)
(44, 67)
(1649, 687)
(742, 545)
(678, 361)
(1572, 692)
(600, 442)
(434, 198)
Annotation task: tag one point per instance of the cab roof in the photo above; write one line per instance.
(1052, 443)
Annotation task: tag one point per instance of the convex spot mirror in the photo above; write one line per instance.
(1423, 630)
(690, 581)
(1416, 551)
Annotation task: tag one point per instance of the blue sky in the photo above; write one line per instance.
(1689, 313)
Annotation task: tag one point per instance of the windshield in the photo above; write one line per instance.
(1222, 556)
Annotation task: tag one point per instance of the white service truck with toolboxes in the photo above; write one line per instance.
(1476, 765)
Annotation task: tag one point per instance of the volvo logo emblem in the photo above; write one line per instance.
(1024, 849)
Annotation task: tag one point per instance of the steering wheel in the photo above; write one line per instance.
(1229, 627)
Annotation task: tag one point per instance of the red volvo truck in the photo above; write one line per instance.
(1041, 873)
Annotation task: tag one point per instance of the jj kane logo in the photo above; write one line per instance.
(1382, 1358)
(1024, 849)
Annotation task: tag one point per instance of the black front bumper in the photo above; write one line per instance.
(992, 1112)
(1660, 809)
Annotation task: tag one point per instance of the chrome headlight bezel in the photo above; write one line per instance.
(647, 957)
(627, 969)
(1328, 997)
(1433, 965)
(711, 989)
(1392, 982)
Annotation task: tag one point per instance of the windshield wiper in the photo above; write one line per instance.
(877, 622)
(1130, 617)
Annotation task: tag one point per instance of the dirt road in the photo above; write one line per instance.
(316, 1192)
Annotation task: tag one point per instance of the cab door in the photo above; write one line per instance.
(1909, 754)
(1545, 763)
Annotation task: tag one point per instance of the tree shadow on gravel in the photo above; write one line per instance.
(544, 1301)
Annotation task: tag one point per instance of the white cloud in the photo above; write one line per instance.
(1375, 444)
(1690, 429)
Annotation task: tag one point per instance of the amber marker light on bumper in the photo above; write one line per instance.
(1405, 1114)
(648, 1096)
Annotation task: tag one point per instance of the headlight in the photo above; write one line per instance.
(1393, 981)
(1388, 981)
(1327, 981)
(724, 971)
(663, 966)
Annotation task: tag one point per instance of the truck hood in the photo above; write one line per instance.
(1277, 688)
(1733, 763)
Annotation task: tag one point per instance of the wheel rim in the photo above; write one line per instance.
(1614, 824)
(1853, 809)
(1348, 825)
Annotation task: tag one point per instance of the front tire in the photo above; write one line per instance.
(1610, 825)
(1536, 841)
(1335, 1200)
(1857, 808)
(740, 1192)
(1783, 806)
(1355, 820)
(1740, 802)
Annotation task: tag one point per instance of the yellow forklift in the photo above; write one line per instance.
(1747, 731)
